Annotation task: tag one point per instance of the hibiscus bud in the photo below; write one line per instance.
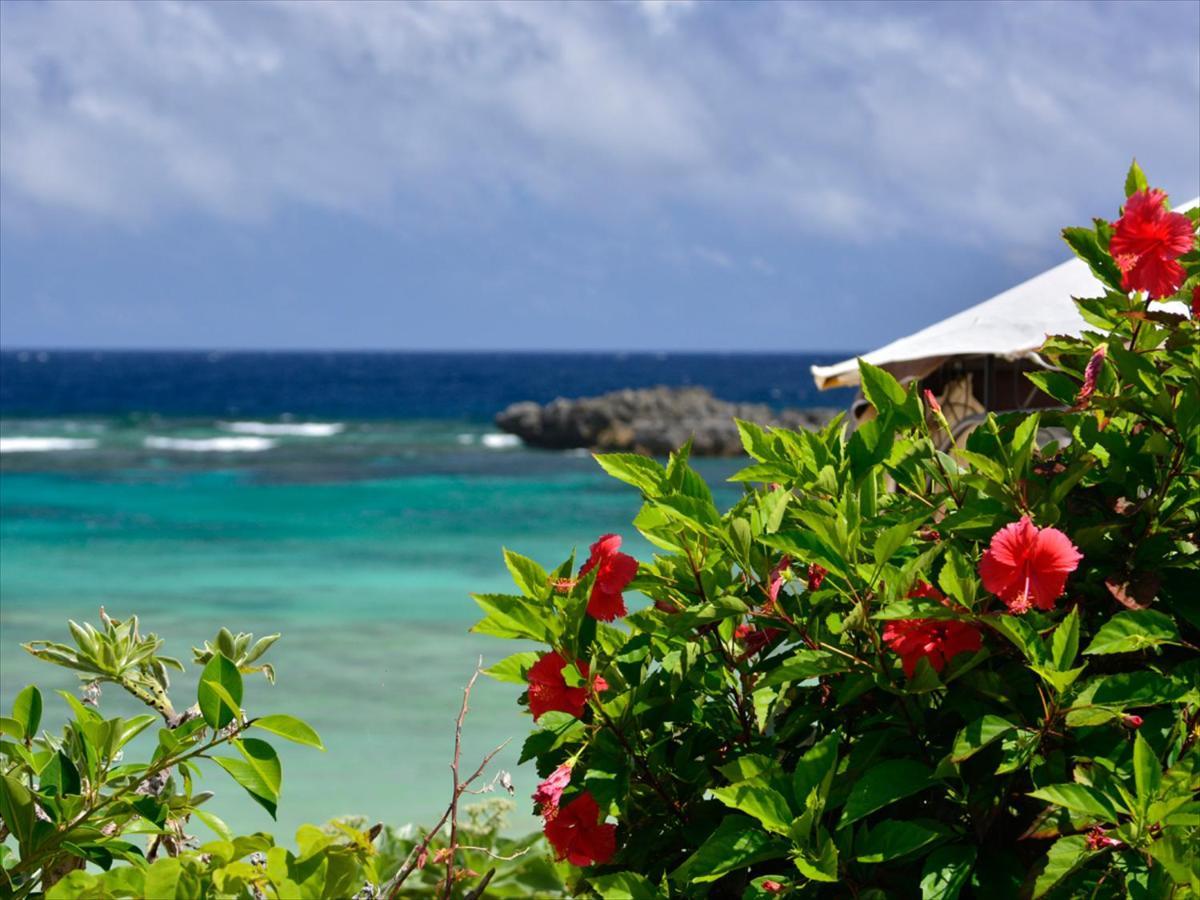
(1090, 374)
(1097, 839)
(929, 534)
(816, 574)
(1132, 721)
(773, 887)
(564, 585)
(932, 401)
(549, 793)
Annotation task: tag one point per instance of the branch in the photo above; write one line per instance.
(392, 888)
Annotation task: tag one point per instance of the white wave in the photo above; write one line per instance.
(44, 444)
(271, 429)
(209, 445)
(500, 441)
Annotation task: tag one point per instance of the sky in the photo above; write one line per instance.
(529, 176)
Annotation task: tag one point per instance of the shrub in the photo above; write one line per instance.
(892, 670)
(72, 800)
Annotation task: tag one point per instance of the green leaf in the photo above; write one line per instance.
(624, 886)
(60, 773)
(264, 759)
(891, 839)
(892, 539)
(1147, 771)
(820, 864)
(880, 388)
(805, 664)
(27, 709)
(513, 617)
(645, 474)
(12, 728)
(736, 843)
(513, 669)
(891, 780)
(1136, 180)
(16, 809)
(756, 798)
(167, 879)
(1022, 634)
(1086, 244)
(259, 773)
(946, 872)
(1064, 644)
(978, 735)
(291, 728)
(1127, 632)
(814, 773)
(1081, 798)
(215, 823)
(529, 577)
(219, 707)
(1064, 857)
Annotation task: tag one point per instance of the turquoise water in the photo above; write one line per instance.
(361, 548)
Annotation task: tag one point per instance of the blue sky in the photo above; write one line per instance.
(636, 175)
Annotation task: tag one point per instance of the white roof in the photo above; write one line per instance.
(1012, 325)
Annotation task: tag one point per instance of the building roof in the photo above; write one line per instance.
(1011, 325)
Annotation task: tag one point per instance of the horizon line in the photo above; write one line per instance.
(432, 350)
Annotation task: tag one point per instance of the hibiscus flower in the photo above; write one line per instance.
(548, 794)
(578, 834)
(548, 690)
(1147, 242)
(1027, 566)
(614, 571)
(754, 639)
(938, 640)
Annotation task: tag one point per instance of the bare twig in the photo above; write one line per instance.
(392, 888)
(458, 788)
(477, 891)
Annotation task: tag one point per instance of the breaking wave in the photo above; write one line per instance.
(209, 445)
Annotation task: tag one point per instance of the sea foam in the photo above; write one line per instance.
(44, 444)
(209, 445)
(500, 441)
(271, 429)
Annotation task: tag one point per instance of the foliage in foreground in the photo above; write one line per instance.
(70, 800)
(893, 671)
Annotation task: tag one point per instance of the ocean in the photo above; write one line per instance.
(350, 501)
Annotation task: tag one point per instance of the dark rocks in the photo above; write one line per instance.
(653, 421)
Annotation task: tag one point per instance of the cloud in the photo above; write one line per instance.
(993, 123)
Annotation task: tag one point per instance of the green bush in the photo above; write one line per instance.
(72, 800)
(892, 670)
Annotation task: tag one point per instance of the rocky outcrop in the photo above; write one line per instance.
(654, 421)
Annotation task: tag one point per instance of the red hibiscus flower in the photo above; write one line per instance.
(550, 791)
(923, 589)
(548, 690)
(579, 835)
(754, 639)
(816, 574)
(1090, 374)
(1147, 242)
(614, 571)
(1028, 566)
(937, 640)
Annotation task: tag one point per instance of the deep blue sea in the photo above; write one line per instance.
(351, 501)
